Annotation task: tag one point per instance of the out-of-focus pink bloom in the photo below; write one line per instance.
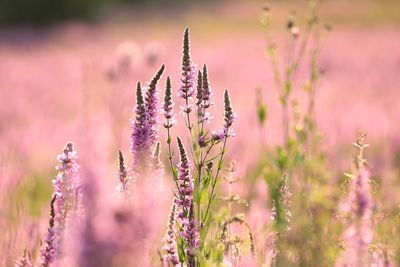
(358, 234)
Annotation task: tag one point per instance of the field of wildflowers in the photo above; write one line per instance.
(266, 137)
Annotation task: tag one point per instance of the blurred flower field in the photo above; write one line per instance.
(288, 149)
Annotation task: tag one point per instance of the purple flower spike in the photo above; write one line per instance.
(199, 95)
(124, 180)
(191, 236)
(188, 72)
(171, 256)
(151, 104)
(141, 134)
(185, 182)
(229, 115)
(168, 105)
(358, 234)
(66, 188)
(229, 119)
(207, 93)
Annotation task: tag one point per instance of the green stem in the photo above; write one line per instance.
(216, 178)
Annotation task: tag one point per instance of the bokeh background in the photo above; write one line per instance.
(68, 70)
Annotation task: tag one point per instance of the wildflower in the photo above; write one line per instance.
(199, 95)
(151, 102)
(66, 188)
(171, 257)
(49, 249)
(217, 136)
(206, 89)
(358, 234)
(168, 106)
(191, 236)
(185, 182)
(188, 72)
(229, 119)
(203, 96)
(141, 133)
(123, 176)
(229, 116)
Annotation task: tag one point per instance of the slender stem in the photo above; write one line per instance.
(219, 167)
(187, 114)
(171, 164)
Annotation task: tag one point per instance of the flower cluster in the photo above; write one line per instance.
(144, 126)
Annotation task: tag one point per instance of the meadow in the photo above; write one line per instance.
(235, 133)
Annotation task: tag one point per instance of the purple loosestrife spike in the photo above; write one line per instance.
(205, 101)
(141, 132)
(199, 95)
(188, 73)
(206, 89)
(229, 116)
(229, 119)
(171, 257)
(168, 105)
(185, 182)
(151, 104)
(191, 236)
(123, 176)
(49, 249)
(66, 188)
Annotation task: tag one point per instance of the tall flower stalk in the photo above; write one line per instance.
(141, 131)
(358, 207)
(124, 179)
(151, 104)
(187, 89)
(170, 259)
(67, 203)
(185, 183)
